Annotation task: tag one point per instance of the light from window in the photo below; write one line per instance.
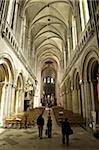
(48, 80)
(44, 80)
(52, 81)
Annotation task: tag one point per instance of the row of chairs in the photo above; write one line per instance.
(74, 118)
(23, 119)
(32, 115)
(15, 121)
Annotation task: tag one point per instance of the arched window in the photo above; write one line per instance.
(84, 13)
(44, 80)
(74, 32)
(52, 81)
(48, 80)
(12, 23)
(11, 12)
(79, 16)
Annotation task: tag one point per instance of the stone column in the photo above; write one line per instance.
(68, 43)
(24, 37)
(17, 100)
(87, 101)
(3, 103)
(29, 45)
(92, 97)
(74, 36)
(75, 103)
(41, 91)
(79, 101)
(6, 100)
(13, 98)
(97, 87)
(22, 100)
(69, 101)
(62, 99)
(64, 59)
(9, 98)
(83, 99)
(65, 99)
(93, 112)
(21, 34)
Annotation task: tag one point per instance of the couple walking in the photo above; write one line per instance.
(65, 126)
(40, 123)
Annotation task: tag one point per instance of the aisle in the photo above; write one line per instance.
(27, 139)
(55, 128)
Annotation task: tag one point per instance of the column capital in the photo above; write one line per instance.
(13, 85)
(71, 88)
(81, 82)
(10, 84)
(2, 83)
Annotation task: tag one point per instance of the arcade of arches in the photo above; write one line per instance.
(49, 53)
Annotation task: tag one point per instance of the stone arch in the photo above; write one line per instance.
(6, 83)
(69, 94)
(90, 79)
(91, 52)
(77, 102)
(19, 94)
(6, 58)
(63, 93)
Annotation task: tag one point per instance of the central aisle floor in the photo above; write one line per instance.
(27, 139)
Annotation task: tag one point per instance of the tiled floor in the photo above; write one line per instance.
(27, 139)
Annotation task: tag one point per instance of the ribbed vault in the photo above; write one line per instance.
(48, 24)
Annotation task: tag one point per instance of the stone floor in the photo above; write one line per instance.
(27, 139)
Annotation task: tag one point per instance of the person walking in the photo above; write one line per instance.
(49, 127)
(66, 131)
(40, 123)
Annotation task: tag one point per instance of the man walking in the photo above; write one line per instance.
(49, 126)
(40, 123)
(66, 129)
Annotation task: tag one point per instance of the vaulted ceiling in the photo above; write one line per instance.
(48, 22)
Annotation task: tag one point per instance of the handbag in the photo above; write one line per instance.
(70, 131)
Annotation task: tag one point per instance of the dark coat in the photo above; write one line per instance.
(65, 127)
(40, 120)
(49, 123)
